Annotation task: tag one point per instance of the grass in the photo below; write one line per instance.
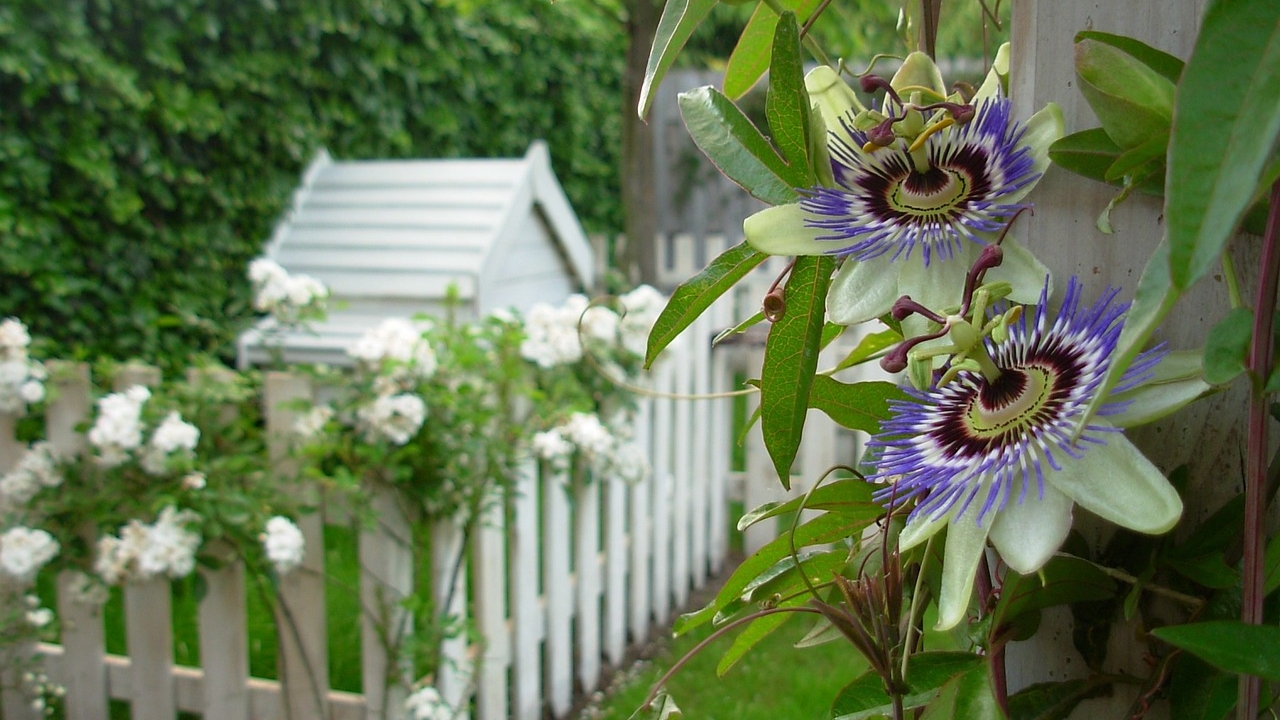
(775, 680)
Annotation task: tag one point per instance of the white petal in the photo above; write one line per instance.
(831, 95)
(1175, 382)
(1027, 534)
(966, 541)
(862, 291)
(1041, 130)
(919, 70)
(997, 77)
(1023, 271)
(1116, 482)
(940, 286)
(781, 230)
(919, 529)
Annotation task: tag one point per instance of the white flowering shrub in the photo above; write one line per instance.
(425, 703)
(291, 299)
(21, 378)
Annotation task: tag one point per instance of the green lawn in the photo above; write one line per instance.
(775, 681)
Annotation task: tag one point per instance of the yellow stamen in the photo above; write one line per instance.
(941, 124)
(869, 147)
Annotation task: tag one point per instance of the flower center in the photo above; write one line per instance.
(1011, 402)
(934, 191)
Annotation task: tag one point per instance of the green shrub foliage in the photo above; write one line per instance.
(148, 146)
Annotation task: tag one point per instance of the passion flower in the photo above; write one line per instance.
(915, 189)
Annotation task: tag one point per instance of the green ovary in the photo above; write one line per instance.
(1010, 414)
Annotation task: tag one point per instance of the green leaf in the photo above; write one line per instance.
(1141, 160)
(790, 359)
(850, 496)
(738, 329)
(826, 528)
(729, 139)
(1227, 119)
(662, 708)
(1199, 691)
(865, 697)
(754, 632)
(1052, 700)
(750, 57)
(1227, 347)
(976, 696)
(787, 102)
(1088, 153)
(1231, 645)
(1162, 62)
(1132, 101)
(679, 19)
(869, 347)
(696, 294)
(1062, 581)
(857, 406)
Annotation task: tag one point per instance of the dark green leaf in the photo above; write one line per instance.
(865, 697)
(1231, 645)
(696, 294)
(976, 697)
(1141, 160)
(1227, 347)
(790, 359)
(1065, 580)
(736, 147)
(1199, 691)
(1160, 61)
(1088, 153)
(751, 55)
(1052, 700)
(848, 496)
(1227, 119)
(826, 528)
(754, 632)
(857, 406)
(787, 102)
(679, 19)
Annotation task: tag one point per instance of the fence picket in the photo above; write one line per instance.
(149, 634)
(224, 646)
(640, 494)
(682, 476)
(662, 471)
(615, 583)
(14, 703)
(489, 564)
(526, 618)
(586, 531)
(449, 587)
(386, 579)
(557, 592)
(300, 604)
(700, 476)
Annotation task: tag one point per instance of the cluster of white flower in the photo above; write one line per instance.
(392, 417)
(425, 703)
(24, 550)
(289, 298)
(582, 433)
(310, 426)
(398, 352)
(43, 691)
(641, 308)
(555, 335)
(172, 435)
(283, 543)
(167, 547)
(118, 428)
(36, 469)
(37, 616)
(21, 379)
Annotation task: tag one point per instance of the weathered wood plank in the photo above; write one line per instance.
(557, 591)
(586, 545)
(489, 572)
(522, 548)
(148, 617)
(640, 531)
(224, 645)
(386, 579)
(449, 591)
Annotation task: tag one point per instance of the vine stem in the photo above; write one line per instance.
(999, 677)
(1256, 463)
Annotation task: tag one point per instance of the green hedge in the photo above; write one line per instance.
(148, 146)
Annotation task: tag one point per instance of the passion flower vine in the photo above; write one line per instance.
(913, 190)
(995, 451)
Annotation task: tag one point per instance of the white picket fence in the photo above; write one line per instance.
(561, 578)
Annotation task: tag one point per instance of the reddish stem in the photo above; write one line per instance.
(1256, 464)
(995, 651)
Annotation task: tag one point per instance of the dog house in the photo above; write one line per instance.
(395, 238)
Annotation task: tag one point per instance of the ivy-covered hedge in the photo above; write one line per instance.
(148, 146)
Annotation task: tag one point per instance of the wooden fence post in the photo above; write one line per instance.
(14, 703)
(489, 578)
(386, 579)
(526, 618)
(300, 605)
(449, 586)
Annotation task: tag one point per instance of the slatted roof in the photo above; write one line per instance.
(390, 237)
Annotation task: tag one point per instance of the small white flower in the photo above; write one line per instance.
(173, 435)
(14, 337)
(426, 704)
(194, 481)
(642, 306)
(393, 417)
(23, 551)
(399, 349)
(168, 547)
(552, 447)
(39, 617)
(283, 543)
(118, 428)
